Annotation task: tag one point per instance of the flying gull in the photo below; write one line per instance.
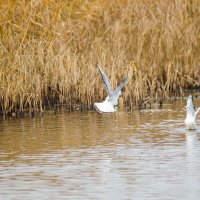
(111, 101)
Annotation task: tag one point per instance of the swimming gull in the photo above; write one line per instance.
(190, 120)
(111, 101)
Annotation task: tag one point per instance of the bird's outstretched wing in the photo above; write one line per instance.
(196, 113)
(190, 104)
(106, 81)
(121, 86)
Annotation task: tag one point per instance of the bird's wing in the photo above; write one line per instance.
(196, 113)
(190, 104)
(122, 84)
(106, 81)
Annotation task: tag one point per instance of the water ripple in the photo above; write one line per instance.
(144, 154)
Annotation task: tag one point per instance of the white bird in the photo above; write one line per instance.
(190, 120)
(108, 105)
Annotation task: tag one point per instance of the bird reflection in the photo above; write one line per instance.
(192, 144)
(193, 149)
(191, 141)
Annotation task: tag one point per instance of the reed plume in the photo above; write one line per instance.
(50, 49)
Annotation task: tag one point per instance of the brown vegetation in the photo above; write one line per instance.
(49, 50)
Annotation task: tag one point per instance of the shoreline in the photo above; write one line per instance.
(148, 103)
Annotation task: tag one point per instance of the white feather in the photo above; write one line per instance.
(190, 120)
(104, 107)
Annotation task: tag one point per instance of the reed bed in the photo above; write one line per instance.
(49, 51)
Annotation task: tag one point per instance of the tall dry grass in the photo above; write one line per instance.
(49, 50)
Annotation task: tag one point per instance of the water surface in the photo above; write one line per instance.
(142, 154)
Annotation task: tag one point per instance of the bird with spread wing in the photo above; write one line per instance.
(111, 101)
(191, 114)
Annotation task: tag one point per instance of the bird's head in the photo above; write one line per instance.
(107, 98)
(120, 93)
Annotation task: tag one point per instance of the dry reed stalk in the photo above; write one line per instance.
(49, 50)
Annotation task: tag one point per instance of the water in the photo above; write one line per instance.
(146, 154)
